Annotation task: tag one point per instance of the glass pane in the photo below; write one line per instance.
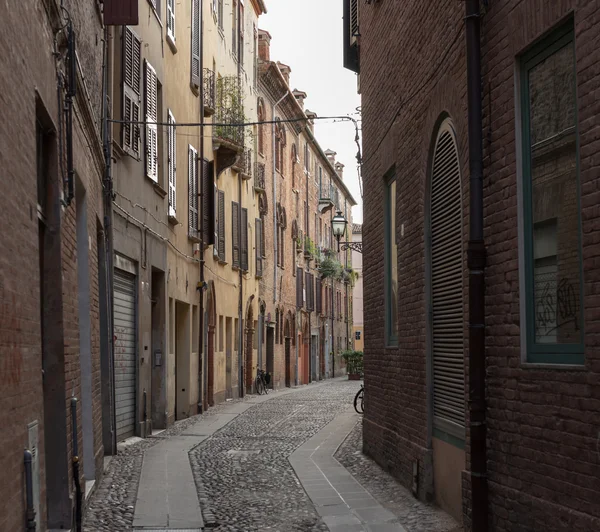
(555, 209)
(393, 264)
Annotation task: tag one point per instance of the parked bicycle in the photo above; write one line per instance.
(262, 381)
(359, 400)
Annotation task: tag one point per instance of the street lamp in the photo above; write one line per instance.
(338, 226)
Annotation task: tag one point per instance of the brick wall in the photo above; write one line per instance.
(27, 31)
(542, 423)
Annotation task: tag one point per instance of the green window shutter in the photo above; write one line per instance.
(447, 288)
(221, 225)
(192, 192)
(258, 240)
(235, 231)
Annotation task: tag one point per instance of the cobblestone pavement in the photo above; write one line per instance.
(112, 505)
(243, 474)
(412, 514)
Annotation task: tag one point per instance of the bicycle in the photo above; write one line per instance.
(261, 381)
(359, 400)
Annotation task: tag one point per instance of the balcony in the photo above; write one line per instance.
(209, 92)
(244, 164)
(228, 131)
(259, 177)
(326, 199)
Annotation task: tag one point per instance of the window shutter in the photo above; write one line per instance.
(151, 127)
(299, 288)
(208, 203)
(121, 12)
(244, 242)
(447, 283)
(235, 241)
(216, 220)
(193, 191)
(307, 290)
(257, 243)
(171, 18)
(172, 164)
(132, 57)
(221, 249)
(319, 296)
(195, 74)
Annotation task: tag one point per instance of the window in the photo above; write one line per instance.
(234, 27)
(357, 335)
(235, 230)
(220, 14)
(244, 240)
(391, 265)
(171, 19)
(132, 75)
(241, 31)
(156, 5)
(172, 164)
(151, 126)
(208, 203)
(294, 161)
(261, 127)
(299, 287)
(280, 141)
(221, 225)
(552, 218)
(192, 192)
(195, 61)
(255, 57)
(258, 245)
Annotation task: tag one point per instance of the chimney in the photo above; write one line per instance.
(285, 72)
(300, 97)
(264, 45)
(339, 168)
(331, 156)
(311, 119)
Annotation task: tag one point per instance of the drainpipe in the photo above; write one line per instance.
(275, 240)
(201, 391)
(476, 261)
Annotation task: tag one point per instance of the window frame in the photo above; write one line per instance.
(391, 340)
(560, 354)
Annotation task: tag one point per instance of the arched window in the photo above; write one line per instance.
(280, 140)
(261, 127)
(263, 209)
(294, 162)
(280, 232)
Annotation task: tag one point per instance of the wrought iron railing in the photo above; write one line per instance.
(229, 115)
(259, 176)
(210, 91)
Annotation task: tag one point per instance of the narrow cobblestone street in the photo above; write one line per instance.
(250, 475)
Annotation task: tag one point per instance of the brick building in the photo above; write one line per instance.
(53, 334)
(301, 331)
(539, 82)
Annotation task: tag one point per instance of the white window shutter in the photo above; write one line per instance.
(171, 18)
(195, 74)
(151, 127)
(172, 165)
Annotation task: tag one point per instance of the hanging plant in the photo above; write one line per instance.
(330, 269)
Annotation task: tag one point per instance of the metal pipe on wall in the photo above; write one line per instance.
(201, 391)
(476, 257)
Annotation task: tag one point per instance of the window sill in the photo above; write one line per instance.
(195, 89)
(194, 238)
(548, 365)
(173, 220)
(158, 189)
(171, 43)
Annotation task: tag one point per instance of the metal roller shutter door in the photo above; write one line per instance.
(447, 283)
(125, 353)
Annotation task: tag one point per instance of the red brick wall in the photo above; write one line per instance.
(30, 67)
(543, 423)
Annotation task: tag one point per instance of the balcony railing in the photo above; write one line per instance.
(229, 114)
(244, 164)
(259, 177)
(210, 91)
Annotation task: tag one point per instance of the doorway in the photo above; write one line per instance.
(271, 353)
(288, 363)
(182, 360)
(228, 356)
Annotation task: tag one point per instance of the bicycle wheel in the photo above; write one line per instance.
(358, 401)
(259, 385)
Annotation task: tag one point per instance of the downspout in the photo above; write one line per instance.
(241, 272)
(476, 254)
(201, 357)
(332, 300)
(276, 239)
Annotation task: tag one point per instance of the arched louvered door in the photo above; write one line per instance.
(446, 262)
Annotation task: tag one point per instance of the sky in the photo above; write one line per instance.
(309, 40)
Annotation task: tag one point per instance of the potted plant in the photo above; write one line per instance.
(354, 364)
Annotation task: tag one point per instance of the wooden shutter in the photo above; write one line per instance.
(221, 218)
(299, 288)
(208, 203)
(257, 244)
(121, 12)
(195, 73)
(171, 18)
(192, 191)
(319, 296)
(172, 164)
(132, 65)
(235, 230)
(151, 127)
(447, 307)
(244, 240)
(307, 290)
(216, 220)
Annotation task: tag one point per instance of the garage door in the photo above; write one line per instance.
(125, 353)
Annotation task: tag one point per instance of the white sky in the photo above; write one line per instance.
(307, 36)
